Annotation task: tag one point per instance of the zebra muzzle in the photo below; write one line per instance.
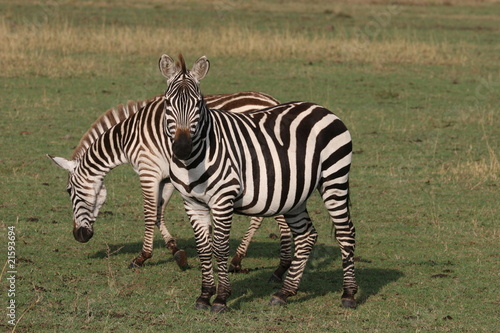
(83, 234)
(182, 145)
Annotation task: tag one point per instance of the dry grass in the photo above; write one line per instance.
(473, 172)
(425, 2)
(471, 169)
(483, 115)
(60, 49)
(274, 6)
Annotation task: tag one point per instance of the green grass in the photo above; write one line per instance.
(420, 96)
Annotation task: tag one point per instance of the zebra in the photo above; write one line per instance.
(261, 163)
(132, 133)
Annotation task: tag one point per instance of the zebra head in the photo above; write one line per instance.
(87, 194)
(183, 102)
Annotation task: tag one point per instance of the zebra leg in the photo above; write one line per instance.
(180, 257)
(285, 249)
(241, 251)
(152, 187)
(151, 204)
(304, 238)
(222, 226)
(199, 216)
(336, 198)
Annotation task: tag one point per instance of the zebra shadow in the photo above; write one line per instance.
(260, 249)
(315, 283)
(323, 274)
(160, 254)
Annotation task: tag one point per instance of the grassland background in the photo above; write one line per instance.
(416, 82)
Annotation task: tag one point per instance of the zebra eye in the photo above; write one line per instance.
(68, 190)
(200, 102)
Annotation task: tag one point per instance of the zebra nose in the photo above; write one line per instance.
(83, 234)
(182, 145)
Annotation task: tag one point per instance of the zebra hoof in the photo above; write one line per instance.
(219, 308)
(201, 306)
(349, 303)
(133, 265)
(275, 300)
(234, 268)
(180, 258)
(136, 263)
(235, 264)
(275, 278)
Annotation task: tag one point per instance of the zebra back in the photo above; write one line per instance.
(107, 120)
(237, 102)
(240, 102)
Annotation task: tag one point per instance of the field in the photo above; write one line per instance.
(416, 82)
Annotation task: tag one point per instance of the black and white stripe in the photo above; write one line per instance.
(261, 163)
(133, 133)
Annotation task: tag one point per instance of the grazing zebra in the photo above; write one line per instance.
(133, 133)
(262, 163)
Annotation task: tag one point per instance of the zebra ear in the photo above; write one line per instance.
(63, 163)
(167, 66)
(200, 68)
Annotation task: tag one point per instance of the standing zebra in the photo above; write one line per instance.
(133, 133)
(261, 163)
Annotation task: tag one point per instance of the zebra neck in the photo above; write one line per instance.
(105, 153)
(206, 126)
(205, 123)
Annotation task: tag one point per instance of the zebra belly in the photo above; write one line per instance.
(267, 207)
(257, 210)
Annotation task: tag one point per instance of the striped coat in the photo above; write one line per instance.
(133, 133)
(261, 163)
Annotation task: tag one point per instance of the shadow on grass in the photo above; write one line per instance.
(322, 275)
(314, 284)
(267, 250)
(135, 248)
(322, 255)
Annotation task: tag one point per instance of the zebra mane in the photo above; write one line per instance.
(110, 118)
(182, 64)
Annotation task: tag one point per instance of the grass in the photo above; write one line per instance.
(58, 48)
(48, 45)
(416, 82)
